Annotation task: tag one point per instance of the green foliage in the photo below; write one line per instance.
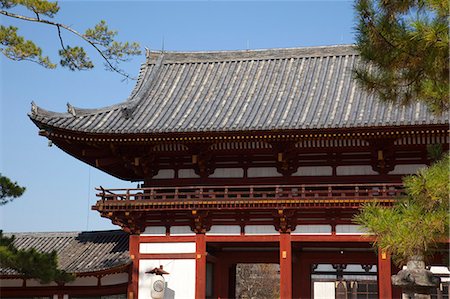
(404, 48)
(112, 50)
(37, 6)
(75, 59)
(430, 186)
(31, 263)
(416, 224)
(9, 190)
(15, 47)
(100, 38)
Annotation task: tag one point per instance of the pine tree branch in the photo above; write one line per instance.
(60, 25)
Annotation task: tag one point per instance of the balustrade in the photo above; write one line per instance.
(282, 192)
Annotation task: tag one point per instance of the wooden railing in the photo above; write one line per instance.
(225, 193)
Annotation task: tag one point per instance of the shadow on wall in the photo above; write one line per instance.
(169, 293)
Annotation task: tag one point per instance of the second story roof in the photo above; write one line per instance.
(257, 90)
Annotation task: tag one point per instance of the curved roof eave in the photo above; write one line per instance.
(246, 90)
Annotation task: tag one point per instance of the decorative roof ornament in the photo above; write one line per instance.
(71, 109)
(34, 108)
(147, 53)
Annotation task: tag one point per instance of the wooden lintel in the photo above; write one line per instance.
(94, 152)
(102, 162)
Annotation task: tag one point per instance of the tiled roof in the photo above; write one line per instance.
(300, 88)
(78, 252)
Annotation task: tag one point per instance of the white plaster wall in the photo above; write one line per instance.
(312, 229)
(407, 169)
(355, 170)
(180, 283)
(187, 174)
(172, 247)
(84, 281)
(36, 283)
(257, 172)
(228, 173)
(165, 174)
(260, 230)
(114, 279)
(324, 290)
(225, 230)
(441, 270)
(349, 229)
(11, 282)
(154, 231)
(181, 231)
(313, 171)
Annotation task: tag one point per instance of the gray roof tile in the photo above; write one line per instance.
(78, 252)
(303, 88)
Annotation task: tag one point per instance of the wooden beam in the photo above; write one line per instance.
(133, 283)
(200, 266)
(384, 275)
(332, 238)
(102, 162)
(285, 266)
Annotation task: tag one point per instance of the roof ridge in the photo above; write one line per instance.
(254, 54)
(254, 50)
(65, 233)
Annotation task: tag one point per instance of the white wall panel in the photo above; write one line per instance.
(355, 170)
(407, 169)
(180, 283)
(11, 283)
(257, 172)
(154, 231)
(84, 281)
(181, 231)
(324, 290)
(312, 229)
(225, 230)
(187, 174)
(36, 283)
(313, 171)
(170, 247)
(349, 229)
(165, 174)
(114, 279)
(260, 230)
(227, 173)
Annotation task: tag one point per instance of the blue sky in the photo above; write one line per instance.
(60, 189)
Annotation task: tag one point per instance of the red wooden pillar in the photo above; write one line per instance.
(384, 275)
(221, 282)
(285, 266)
(133, 282)
(304, 281)
(200, 266)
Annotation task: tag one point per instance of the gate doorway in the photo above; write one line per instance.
(257, 281)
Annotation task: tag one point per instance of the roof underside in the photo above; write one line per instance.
(78, 252)
(279, 89)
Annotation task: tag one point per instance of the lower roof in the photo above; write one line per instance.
(78, 252)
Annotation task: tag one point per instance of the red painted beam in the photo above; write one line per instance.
(285, 266)
(200, 266)
(332, 238)
(167, 256)
(384, 275)
(133, 283)
(243, 238)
